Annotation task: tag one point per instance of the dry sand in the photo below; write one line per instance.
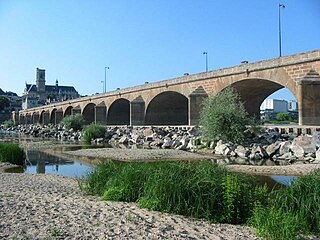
(52, 207)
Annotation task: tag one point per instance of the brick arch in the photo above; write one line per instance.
(88, 113)
(253, 96)
(53, 115)
(119, 112)
(67, 111)
(167, 108)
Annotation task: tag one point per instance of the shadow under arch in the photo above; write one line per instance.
(88, 113)
(167, 108)
(119, 112)
(254, 91)
(53, 116)
(67, 112)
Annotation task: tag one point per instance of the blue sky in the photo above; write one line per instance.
(144, 40)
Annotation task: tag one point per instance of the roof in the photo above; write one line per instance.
(51, 88)
(1, 92)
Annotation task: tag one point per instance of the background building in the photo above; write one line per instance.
(40, 94)
(270, 107)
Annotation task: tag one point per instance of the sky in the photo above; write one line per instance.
(144, 40)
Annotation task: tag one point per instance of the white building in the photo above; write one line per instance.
(274, 105)
(292, 106)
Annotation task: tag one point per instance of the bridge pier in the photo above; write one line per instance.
(58, 116)
(195, 105)
(137, 111)
(45, 117)
(76, 110)
(309, 99)
(15, 117)
(100, 112)
(35, 118)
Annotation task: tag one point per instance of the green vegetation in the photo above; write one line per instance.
(283, 116)
(8, 124)
(93, 131)
(200, 189)
(224, 117)
(76, 122)
(4, 102)
(291, 211)
(206, 190)
(11, 153)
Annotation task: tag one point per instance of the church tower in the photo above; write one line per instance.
(41, 80)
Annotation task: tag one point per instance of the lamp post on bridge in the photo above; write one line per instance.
(205, 53)
(105, 78)
(280, 6)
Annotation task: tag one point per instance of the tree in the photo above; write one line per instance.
(4, 102)
(283, 116)
(224, 117)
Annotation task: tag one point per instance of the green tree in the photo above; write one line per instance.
(283, 116)
(224, 117)
(4, 102)
(73, 121)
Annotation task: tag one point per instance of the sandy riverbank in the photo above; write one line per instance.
(53, 207)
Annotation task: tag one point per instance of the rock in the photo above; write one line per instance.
(223, 148)
(123, 140)
(302, 145)
(318, 155)
(242, 152)
(284, 147)
(257, 149)
(316, 139)
(273, 149)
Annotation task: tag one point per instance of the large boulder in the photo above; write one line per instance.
(302, 145)
(242, 152)
(284, 147)
(273, 149)
(223, 148)
(316, 139)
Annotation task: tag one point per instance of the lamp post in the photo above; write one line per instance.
(105, 78)
(205, 53)
(280, 50)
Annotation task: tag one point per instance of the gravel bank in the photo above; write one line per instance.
(170, 154)
(137, 154)
(52, 207)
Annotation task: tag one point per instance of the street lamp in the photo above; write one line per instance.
(205, 53)
(280, 6)
(105, 78)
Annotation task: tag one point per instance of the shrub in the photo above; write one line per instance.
(283, 116)
(224, 117)
(8, 124)
(93, 131)
(76, 122)
(11, 153)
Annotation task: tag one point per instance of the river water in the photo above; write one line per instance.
(54, 161)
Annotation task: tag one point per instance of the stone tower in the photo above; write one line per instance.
(41, 80)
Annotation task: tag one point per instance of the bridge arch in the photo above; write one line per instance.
(53, 116)
(67, 111)
(88, 113)
(119, 112)
(167, 108)
(253, 91)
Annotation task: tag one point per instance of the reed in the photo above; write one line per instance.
(11, 153)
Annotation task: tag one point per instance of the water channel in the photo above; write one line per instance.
(54, 161)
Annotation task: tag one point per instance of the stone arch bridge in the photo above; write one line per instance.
(178, 101)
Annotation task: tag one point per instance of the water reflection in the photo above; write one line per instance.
(43, 162)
